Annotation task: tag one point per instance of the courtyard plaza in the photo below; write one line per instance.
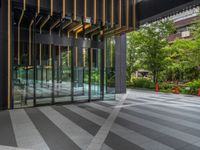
(138, 120)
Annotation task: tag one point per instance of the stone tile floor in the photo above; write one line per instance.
(139, 120)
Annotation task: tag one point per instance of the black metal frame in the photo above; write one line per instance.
(72, 71)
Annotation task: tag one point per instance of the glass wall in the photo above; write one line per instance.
(109, 59)
(43, 70)
(80, 70)
(22, 67)
(62, 74)
(51, 73)
(96, 74)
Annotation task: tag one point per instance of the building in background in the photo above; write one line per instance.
(183, 22)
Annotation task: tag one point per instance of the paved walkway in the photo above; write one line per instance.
(138, 120)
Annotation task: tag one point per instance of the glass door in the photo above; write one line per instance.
(80, 74)
(62, 74)
(22, 73)
(43, 82)
(109, 69)
(23, 86)
(95, 74)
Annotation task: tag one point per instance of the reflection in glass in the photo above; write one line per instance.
(62, 79)
(80, 74)
(43, 82)
(109, 80)
(48, 73)
(95, 74)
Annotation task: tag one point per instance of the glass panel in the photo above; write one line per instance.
(23, 87)
(43, 80)
(62, 79)
(109, 71)
(81, 75)
(22, 65)
(95, 74)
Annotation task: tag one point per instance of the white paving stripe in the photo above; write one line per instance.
(160, 96)
(101, 135)
(194, 116)
(167, 118)
(183, 106)
(105, 147)
(90, 116)
(179, 101)
(121, 131)
(163, 129)
(100, 107)
(86, 114)
(137, 138)
(161, 100)
(81, 137)
(166, 130)
(26, 134)
(184, 99)
(12, 148)
(152, 114)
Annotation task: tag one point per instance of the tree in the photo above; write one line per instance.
(132, 59)
(149, 43)
(196, 39)
(184, 56)
(179, 59)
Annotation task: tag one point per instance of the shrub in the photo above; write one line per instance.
(166, 86)
(193, 84)
(187, 88)
(142, 83)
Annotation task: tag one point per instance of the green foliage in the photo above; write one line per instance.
(196, 49)
(146, 46)
(179, 60)
(193, 84)
(132, 60)
(190, 55)
(184, 57)
(166, 86)
(142, 83)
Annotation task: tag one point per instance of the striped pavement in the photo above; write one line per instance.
(136, 121)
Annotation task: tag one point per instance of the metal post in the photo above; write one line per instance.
(34, 65)
(72, 75)
(89, 74)
(102, 67)
(53, 72)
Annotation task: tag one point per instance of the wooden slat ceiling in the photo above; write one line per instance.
(110, 16)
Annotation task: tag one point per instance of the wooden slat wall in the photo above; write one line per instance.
(115, 19)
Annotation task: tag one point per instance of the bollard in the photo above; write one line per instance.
(157, 87)
(199, 92)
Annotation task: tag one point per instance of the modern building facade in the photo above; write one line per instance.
(183, 22)
(59, 51)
